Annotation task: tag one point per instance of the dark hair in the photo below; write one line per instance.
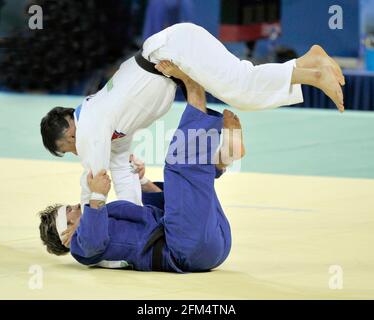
(48, 231)
(52, 127)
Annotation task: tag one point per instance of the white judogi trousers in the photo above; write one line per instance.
(238, 83)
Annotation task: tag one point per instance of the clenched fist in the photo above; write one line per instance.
(100, 183)
(138, 166)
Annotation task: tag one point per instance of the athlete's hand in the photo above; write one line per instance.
(138, 166)
(100, 183)
(68, 234)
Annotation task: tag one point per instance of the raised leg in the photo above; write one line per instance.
(196, 229)
(238, 83)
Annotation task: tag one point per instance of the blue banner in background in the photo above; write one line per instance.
(306, 22)
(367, 33)
(207, 14)
(163, 13)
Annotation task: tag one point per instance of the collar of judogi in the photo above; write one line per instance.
(77, 112)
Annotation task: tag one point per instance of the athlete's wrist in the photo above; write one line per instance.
(97, 204)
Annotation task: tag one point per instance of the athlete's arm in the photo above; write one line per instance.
(94, 147)
(92, 237)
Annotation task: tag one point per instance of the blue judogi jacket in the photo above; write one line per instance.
(119, 231)
(197, 233)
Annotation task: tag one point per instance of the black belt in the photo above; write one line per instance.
(150, 67)
(157, 240)
(157, 254)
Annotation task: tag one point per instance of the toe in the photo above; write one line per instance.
(339, 99)
(340, 95)
(228, 113)
(236, 117)
(338, 71)
(342, 82)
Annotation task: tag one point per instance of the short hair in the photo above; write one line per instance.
(52, 128)
(48, 231)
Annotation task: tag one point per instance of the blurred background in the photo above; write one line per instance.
(82, 43)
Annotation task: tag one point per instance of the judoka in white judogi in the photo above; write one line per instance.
(134, 98)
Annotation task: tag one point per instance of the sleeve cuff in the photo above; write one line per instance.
(97, 196)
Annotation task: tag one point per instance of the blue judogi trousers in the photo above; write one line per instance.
(197, 232)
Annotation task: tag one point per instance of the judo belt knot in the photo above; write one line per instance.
(150, 67)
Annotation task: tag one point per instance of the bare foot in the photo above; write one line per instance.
(233, 145)
(170, 69)
(327, 82)
(317, 57)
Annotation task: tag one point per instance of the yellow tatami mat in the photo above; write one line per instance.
(293, 237)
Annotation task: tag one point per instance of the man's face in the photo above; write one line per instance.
(67, 143)
(73, 213)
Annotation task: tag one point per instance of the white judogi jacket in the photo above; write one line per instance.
(134, 98)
